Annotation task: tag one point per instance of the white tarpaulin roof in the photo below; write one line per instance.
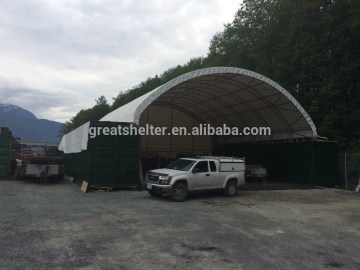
(219, 95)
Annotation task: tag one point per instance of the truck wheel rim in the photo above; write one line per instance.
(179, 193)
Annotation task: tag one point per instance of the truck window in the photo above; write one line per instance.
(181, 164)
(212, 166)
(202, 166)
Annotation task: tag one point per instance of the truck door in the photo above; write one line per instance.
(200, 176)
(214, 174)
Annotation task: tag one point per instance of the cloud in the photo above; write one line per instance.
(54, 104)
(64, 54)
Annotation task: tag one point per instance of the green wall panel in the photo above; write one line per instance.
(109, 161)
(301, 162)
(5, 147)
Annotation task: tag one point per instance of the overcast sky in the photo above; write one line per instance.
(57, 56)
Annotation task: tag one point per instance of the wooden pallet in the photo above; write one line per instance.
(101, 189)
(85, 187)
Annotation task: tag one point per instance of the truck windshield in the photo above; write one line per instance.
(181, 164)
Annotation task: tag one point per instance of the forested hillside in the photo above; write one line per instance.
(310, 47)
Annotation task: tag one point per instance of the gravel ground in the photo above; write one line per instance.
(56, 226)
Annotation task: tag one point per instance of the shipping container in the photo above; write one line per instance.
(5, 154)
(109, 161)
(309, 162)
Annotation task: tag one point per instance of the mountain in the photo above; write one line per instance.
(25, 125)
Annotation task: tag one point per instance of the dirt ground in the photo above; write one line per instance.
(56, 226)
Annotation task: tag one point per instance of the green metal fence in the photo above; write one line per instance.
(311, 162)
(349, 170)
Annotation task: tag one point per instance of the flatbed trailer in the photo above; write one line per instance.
(44, 165)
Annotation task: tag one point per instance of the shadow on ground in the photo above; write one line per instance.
(275, 186)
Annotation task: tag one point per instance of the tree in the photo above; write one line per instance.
(93, 114)
(311, 48)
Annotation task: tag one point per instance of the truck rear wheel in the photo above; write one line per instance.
(179, 192)
(230, 189)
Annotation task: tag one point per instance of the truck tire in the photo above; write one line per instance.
(179, 192)
(230, 189)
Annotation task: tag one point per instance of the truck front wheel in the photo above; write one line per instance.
(230, 189)
(179, 192)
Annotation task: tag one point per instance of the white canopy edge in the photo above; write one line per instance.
(75, 141)
(132, 111)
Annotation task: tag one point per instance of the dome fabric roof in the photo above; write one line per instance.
(234, 96)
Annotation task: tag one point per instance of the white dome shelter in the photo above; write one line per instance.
(216, 96)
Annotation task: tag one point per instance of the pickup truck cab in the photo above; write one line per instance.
(192, 174)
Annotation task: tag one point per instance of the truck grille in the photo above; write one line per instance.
(153, 178)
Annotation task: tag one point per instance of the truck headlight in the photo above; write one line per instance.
(164, 180)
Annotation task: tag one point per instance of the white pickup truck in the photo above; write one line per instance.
(193, 174)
